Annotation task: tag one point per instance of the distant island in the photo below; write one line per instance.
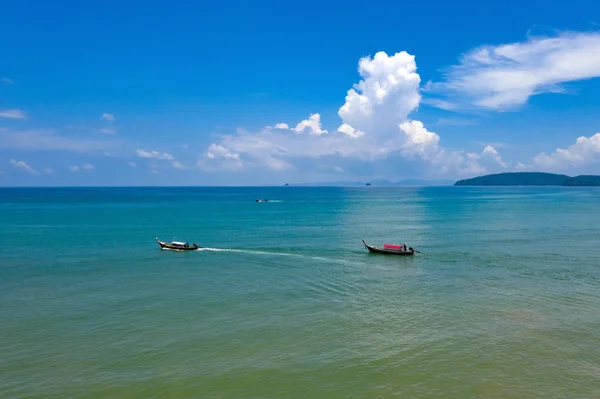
(530, 179)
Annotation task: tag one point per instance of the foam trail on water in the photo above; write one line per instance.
(248, 251)
(221, 250)
(255, 252)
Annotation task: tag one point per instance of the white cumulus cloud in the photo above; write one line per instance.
(506, 76)
(585, 151)
(350, 131)
(312, 125)
(419, 141)
(23, 165)
(488, 161)
(219, 157)
(375, 126)
(12, 114)
(154, 154)
(492, 154)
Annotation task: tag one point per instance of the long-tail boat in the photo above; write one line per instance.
(177, 245)
(390, 249)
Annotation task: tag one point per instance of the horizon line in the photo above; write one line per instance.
(301, 185)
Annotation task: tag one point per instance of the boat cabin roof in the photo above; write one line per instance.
(392, 246)
(178, 243)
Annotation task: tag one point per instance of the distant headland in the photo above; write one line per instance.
(530, 179)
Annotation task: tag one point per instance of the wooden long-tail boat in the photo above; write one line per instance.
(390, 249)
(178, 246)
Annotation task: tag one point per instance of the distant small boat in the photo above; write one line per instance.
(262, 200)
(368, 184)
(390, 249)
(177, 245)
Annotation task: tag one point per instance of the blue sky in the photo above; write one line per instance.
(161, 93)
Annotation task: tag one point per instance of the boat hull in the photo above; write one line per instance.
(164, 245)
(385, 251)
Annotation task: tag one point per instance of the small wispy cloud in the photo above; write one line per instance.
(505, 76)
(12, 114)
(77, 168)
(7, 81)
(108, 117)
(132, 164)
(154, 169)
(521, 167)
(178, 165)
(455, 122)
(48, 140)
(441, 104)
(154, 155)
(106, 130)
(23, 165)
(48, 171)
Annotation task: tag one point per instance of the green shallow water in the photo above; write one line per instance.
(287, 303)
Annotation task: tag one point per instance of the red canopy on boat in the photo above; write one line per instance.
(390, 246)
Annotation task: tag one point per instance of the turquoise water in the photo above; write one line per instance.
(286, 303)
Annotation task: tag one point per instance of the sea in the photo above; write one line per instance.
(284, 301)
